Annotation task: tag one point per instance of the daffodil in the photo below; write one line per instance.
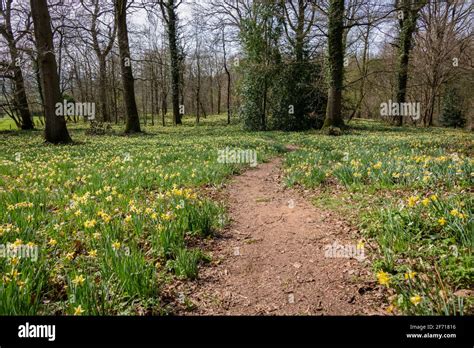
(14, 260)
(14, 273)
(412, 201)
(415, 300)
(20, 284)
(383, 278)
(166, 217)
(410, 275)
(90, 223)
(78, 280)
(78, 310)
(105, 217)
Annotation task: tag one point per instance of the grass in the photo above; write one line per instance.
(118, 211)
(117, 218)
(7, 123)
(410, 192)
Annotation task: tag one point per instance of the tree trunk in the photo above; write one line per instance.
(164, 109)
(228, 78)
(152, 97)
(36, 69)
(181, 90)
(55, 130)
(198, 87)
(20, 99)
(114, 91)
(219, 94)
(407, 27)
(299, 39)
(264, 106)
(133, 122)
(103, 90)
(101, 57)
(169, 13)
(144, 103)
(211, 93)
(364, 72)
(335, 64)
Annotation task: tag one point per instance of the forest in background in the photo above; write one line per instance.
(176, 157)
(274, 64)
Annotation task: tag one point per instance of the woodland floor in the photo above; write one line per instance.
(271, 258)
(167, 228)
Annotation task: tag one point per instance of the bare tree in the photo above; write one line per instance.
(101, 52)
(297, 26)
(20, 100)
(441, 48)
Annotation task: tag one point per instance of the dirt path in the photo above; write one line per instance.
(271, 259)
